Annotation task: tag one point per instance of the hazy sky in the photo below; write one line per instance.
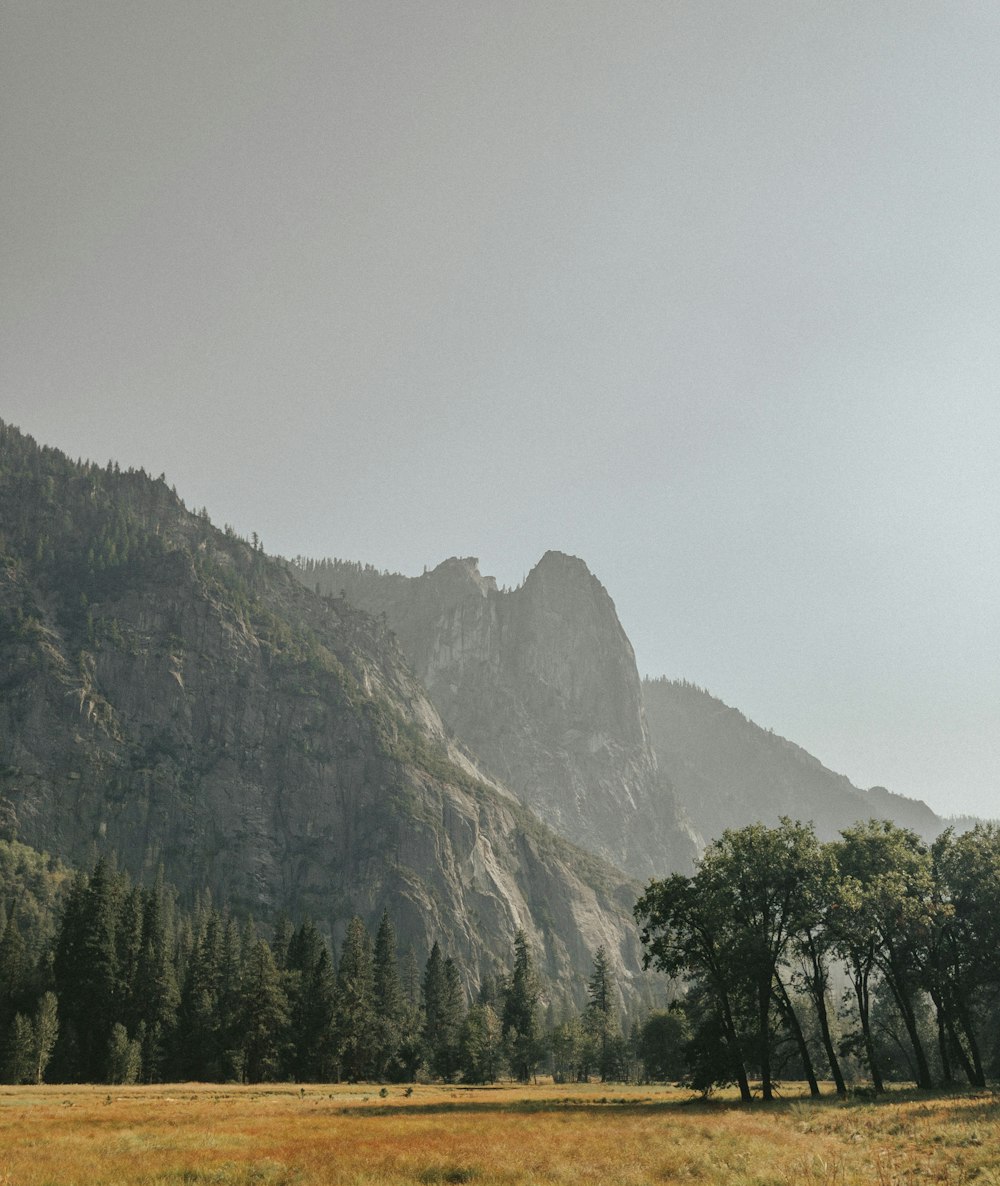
(705, 293)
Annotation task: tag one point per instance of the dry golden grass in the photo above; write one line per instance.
(504, 1136)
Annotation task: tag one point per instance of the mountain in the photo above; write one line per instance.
(171, 694)
(540, 683)
(729, 772)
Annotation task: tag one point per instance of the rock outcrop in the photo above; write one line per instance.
(540, 684)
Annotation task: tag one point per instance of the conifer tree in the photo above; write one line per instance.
(262, 1016)
(355, 1008)
(230, 1000)
(197, 1052)
(14, 968)
(442, 1014)
(87, 972)
(601, 1016)
(18, 1051)
(480, 1045)
(410, 1050)
(389, 1003)
(520, 1013)
(312, 998)
(158, 998)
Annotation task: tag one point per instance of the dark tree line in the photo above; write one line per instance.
(772, 918)
(874, 956)
(127, 987)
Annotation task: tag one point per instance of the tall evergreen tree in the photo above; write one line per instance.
(520, 1013)
(601, 1016)
(354, 1024)
(389, 1003)
(198, 1045)
(87, 972)
(480, 1047)
(312, 997)
(411, 1025)
(159, 997)
(263, 1014)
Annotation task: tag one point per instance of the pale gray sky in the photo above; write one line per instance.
(705, 293)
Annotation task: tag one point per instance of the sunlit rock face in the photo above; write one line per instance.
(540, 684)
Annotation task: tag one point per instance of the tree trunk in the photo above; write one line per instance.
(764, 1037)
(942, 1038)
(861, 992)
(902, 999)
(969, 1029)
(788, 1010)
(819, 998)
(739, 1066)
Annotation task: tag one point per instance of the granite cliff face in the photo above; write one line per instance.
(171, 694)
(540, 684)
(730, 772)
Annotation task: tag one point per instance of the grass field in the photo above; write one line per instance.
(503, 1136)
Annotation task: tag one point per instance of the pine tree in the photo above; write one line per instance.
(160, 998)
(312, 999)
(282, 937)
(411, 1025)
(600, 1017)
(230, 1001)
(480, 1045)
(434, 1005)
(262, 1015)
(520, 1013)
(389, 1003)
(17, 1051)
(87, 973)
(14, 968)
(355, 1012)
(198, 1045)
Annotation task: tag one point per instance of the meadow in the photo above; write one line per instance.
(285, 1135)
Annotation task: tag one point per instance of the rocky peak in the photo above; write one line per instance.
(540, 684)
(457, 577)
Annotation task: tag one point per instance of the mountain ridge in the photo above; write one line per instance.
(730, 771)
(174, 695)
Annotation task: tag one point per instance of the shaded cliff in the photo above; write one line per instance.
(540, 684)
(729, 772)
(170, 693)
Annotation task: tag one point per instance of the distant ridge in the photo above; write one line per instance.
(728, 771)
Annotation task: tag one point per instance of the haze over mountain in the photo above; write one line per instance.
(703, 292)
(540, 683)
(728, 772)
(172, 695)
